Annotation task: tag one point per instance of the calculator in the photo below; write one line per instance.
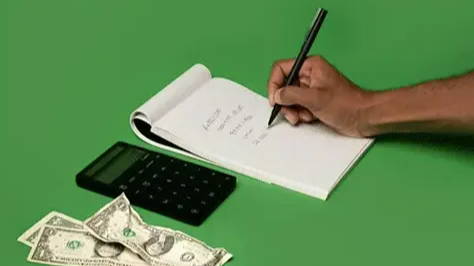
(158, 182)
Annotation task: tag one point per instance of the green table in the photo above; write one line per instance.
(76, 69)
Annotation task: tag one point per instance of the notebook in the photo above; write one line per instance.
(220, 121)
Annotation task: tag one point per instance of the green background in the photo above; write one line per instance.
(75, 70)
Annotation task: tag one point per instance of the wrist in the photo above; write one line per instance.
(370, 114)
(389, 112)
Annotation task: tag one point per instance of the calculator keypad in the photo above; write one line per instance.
(179, 189)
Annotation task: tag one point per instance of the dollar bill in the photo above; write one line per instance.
(67, 246)
(117, 222)
(53, 218)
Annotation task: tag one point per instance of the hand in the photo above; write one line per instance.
(320, 93)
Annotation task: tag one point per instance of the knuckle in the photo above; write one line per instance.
(317, 57)
(285, 97)
(318, 60)
(317, 75)
(277, 63)
(283, 94)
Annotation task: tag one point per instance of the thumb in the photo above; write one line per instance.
(292, 95)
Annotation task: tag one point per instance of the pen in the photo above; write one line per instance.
(308, 42)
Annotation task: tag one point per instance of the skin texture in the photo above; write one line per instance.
(324, 94)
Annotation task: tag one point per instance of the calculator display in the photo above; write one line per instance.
(117, 165)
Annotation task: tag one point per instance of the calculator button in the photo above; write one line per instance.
(132, 179)
(145, 156)
(196, 189)
(174, 193)
(155, 176)
(211, 194)
(169, 180)
(180, 206)
(150, 163)
(194, 211)
(203, 202)
(163, 168)
(141, 171)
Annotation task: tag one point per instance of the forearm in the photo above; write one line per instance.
(436, 106)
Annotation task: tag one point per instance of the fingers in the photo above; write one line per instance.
(296, 114)
(280, 70)
(290, 114)
(293, 95)
(305, 115)
(305, 81)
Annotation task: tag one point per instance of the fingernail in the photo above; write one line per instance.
(276, 97)
(271, 100)
(306, 117)
(291, 119)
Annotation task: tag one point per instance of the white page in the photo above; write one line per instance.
(227, 123)
(166, 99)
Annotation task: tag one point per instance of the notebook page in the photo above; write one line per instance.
(227, 123)
(173, 93)
(165, 100)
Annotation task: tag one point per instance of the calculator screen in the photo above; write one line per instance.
(117, 165)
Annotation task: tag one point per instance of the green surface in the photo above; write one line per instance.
(76, 69)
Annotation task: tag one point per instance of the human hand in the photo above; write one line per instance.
(320, 93)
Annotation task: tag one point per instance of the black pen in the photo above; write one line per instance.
(308, 42)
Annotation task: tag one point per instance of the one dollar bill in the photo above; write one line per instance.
(53, 219)
(66, 246)
(117, 222)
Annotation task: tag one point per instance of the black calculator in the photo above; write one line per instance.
(157, 182)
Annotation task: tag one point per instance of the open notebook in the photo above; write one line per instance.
(218, 120)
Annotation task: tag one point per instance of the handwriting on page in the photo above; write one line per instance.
(235, 123)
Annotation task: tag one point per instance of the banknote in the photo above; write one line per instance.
(53, 218)
(68, 246)
(117, 222)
